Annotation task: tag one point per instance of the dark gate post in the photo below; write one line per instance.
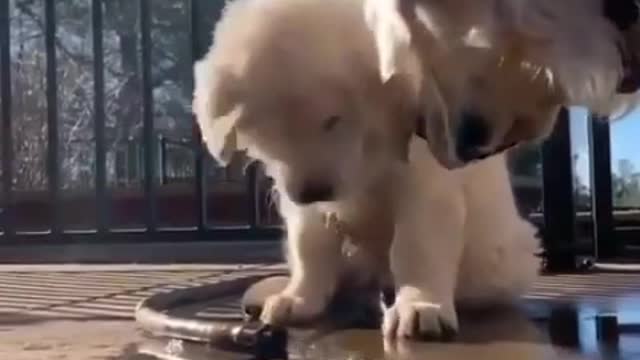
(5, 116)
(102, 202)
(558, 202)
(606, 245)
(148, 127)
(197, 51)
(53, 135)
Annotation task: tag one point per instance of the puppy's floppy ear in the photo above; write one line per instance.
(392, 36)
(215, 105)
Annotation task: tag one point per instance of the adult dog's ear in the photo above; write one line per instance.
(215, 105)
(403, 98)
(438, 127)
(392, 35)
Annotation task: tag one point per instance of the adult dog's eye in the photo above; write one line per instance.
(331, 122)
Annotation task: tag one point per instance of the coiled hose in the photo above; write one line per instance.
(250, 336)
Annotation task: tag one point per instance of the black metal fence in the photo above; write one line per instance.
(47, 203)
(98, 143)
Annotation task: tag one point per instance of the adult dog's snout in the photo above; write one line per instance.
(472, 137)
(469, 140)
(313, 192)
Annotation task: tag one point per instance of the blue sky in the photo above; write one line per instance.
(625, 141)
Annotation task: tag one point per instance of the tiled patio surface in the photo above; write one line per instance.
(80, 312)
(83, 312)
(107, 292)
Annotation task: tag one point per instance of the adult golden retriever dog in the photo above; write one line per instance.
(295, 84)
(496, 72)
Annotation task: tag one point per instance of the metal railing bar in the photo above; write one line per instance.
(53, 170)
(102, 203)
(142, 236)
(558, 197)
(606, 244)
(5, 116)
(198, 149)
(148, 116)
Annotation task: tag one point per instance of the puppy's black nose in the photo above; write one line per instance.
(473, 134)
(312, 193)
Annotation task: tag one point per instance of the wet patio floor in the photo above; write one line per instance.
(85, 313)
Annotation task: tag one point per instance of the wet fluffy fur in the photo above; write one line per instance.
(278, 84)
(513, 63)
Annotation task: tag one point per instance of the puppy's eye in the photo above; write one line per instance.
(331, 122)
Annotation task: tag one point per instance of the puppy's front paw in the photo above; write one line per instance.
(414, 317)
(286, 309)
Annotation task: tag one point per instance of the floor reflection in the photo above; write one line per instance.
(48, 314)
(539, 330)
(496, 335)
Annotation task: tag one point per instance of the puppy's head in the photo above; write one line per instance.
(479, 97)
(477, 111)
(314, 110)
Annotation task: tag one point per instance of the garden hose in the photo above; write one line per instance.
(251, 336)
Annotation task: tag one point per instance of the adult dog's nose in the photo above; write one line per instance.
(313, 192)
(472, 135)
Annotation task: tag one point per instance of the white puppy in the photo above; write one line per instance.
(440, 237)
(497, 72)
(295, 83)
